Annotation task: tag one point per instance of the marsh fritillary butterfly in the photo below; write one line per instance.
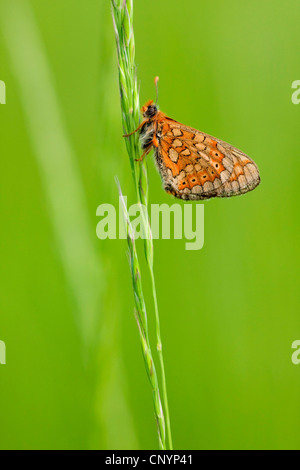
(194, 165)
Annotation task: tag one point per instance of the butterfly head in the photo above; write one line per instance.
(149, 110)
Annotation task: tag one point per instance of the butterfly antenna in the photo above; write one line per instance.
(156, 87)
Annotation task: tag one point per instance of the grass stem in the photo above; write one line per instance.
(123, 23)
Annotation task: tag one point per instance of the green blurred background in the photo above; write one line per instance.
(75, 377)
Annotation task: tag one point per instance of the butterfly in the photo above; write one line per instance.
(194, 165)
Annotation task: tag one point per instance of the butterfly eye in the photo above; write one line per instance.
(193, 180)
(150, 111)
(217, 165)
(204, 176)
(183, 182)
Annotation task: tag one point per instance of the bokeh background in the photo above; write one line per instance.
(75, 377)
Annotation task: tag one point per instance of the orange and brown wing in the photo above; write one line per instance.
(194, 165)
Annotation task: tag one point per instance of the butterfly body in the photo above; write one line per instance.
(194, 165)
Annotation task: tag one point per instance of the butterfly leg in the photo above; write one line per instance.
(137, 129)
(145, 153)
(153, 143)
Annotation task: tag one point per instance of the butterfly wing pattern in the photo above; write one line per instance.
(194, 165)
